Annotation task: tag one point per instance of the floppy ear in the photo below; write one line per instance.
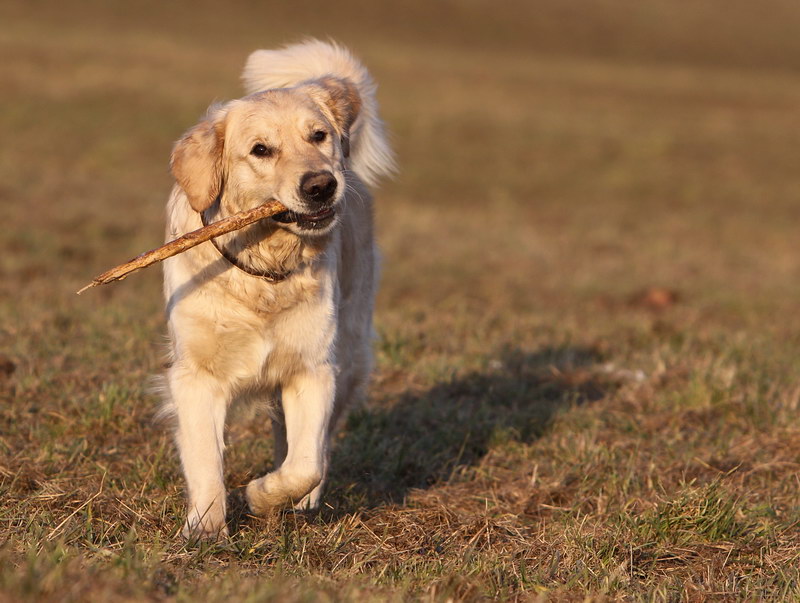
(196, 161)
(341, 99)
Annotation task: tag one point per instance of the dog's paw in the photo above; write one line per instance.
(205, 528)
(203, 533)
(280, 488)
(258, 497)
(310, 502)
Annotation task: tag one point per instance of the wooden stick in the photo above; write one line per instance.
(187, 241)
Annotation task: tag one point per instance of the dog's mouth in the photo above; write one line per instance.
(307, 221)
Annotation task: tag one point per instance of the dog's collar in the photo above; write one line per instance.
(267, 275)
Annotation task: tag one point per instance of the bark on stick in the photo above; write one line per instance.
(187, 241)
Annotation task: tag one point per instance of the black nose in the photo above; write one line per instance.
(318, 187)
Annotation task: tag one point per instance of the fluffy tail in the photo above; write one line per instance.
(370, 155)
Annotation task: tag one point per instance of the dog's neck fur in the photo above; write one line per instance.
(264, 249)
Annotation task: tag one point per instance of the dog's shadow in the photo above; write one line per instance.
(417, 439)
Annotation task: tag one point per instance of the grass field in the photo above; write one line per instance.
(588, 370)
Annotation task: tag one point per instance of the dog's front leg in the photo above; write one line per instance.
(307, 406)
(200, 404)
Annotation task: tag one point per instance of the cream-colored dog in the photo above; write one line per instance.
(284, 306)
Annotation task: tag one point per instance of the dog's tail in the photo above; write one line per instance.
(370, 155)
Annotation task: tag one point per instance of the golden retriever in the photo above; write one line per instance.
(284, 306)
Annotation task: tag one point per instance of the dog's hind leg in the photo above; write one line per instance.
(200, 403)
(308, 408)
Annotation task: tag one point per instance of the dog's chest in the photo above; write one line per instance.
(292, 326)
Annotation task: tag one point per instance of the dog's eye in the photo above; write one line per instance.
(262, 150)
(319, 136)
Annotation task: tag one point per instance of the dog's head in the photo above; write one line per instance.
(287, 144)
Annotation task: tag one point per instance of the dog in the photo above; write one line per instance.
(282, 309)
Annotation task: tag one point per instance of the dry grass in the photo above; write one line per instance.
(591, 390)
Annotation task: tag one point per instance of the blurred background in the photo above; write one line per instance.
(598, 188)
(551, 153)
